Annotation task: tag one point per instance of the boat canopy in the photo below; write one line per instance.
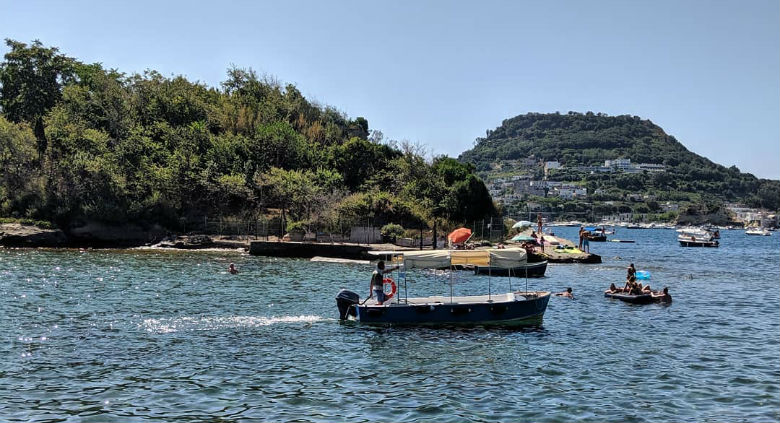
(433, 259)
(693, 231)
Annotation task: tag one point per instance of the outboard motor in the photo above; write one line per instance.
(346, 300)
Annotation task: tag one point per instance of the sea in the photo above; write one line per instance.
(145, 334)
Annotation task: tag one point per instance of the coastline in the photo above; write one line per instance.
(28, 236)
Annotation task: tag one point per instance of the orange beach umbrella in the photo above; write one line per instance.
(459, 235)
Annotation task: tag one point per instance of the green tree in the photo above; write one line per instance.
(31, 79)
(358, 160)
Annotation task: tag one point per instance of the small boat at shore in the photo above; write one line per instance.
(595, 234)
(505, 309)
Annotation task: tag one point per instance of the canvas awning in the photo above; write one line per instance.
(437, 259)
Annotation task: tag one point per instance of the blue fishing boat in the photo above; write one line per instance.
(505, 309)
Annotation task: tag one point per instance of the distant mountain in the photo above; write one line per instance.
(579, 140)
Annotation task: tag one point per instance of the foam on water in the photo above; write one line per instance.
(178, 324)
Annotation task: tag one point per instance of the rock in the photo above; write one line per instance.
(18, 235)
(101, 234)
(189, 242)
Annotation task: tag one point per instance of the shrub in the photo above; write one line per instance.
(299, 227)
(392, 230)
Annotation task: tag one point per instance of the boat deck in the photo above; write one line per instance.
(472, 299)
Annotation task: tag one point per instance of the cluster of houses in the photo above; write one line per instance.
(509, 190)
(753, 217)
(610, 166)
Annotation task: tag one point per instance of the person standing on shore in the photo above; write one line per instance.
(582, 235)
(539, 223)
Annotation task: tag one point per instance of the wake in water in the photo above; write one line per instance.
(178, 324)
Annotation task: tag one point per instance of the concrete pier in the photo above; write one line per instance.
(308, 250)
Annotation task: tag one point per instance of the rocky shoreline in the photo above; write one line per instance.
(94, 235)
(19, 235)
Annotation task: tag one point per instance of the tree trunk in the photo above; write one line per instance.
(434, 234)
(282, 225)
(40, 136)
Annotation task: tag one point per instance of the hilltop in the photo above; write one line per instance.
(612, 158)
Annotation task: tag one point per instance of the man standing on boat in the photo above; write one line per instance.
(377, 281)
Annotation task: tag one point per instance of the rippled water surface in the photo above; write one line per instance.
(139, 335)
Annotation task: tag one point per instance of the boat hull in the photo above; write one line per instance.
(519, 313)
(710, 244)
(758, 233)
(535, 270)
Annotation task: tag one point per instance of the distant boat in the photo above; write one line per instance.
(595, 234)
(696, 237)
(758, 231)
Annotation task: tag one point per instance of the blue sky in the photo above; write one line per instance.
(441, 73)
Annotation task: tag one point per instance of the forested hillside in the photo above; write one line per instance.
(81, 142)
(577, 140)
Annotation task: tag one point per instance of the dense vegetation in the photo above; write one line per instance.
(576, 139)
(80, 142)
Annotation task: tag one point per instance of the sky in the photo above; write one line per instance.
(441, 73)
